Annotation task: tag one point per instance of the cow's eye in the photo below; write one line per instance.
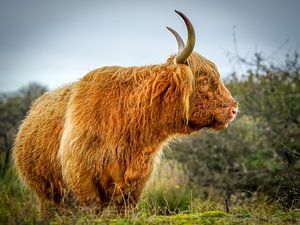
(204, 82)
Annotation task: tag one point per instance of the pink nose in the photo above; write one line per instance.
(234, 111)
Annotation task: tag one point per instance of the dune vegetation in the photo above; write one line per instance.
(246, 174)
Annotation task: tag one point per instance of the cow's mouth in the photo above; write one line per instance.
(222, 120)
(195, 126)
(216, 124)
(216, 118)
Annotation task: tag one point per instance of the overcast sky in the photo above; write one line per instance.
(58, 41)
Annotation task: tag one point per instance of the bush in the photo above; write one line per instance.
(168, 192)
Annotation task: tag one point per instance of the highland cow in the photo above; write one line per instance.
(95, 142)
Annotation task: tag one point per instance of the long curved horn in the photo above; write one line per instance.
(182, 56)
(179, 40)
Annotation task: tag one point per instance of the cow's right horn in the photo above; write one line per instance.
(184, 52)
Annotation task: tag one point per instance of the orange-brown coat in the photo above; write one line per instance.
(96, 141)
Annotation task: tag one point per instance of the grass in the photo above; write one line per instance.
(166, 201)
(209, 217)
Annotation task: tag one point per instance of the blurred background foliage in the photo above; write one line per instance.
(256, 156)
(13, 108)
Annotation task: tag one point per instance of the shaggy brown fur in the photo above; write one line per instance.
(96, 140)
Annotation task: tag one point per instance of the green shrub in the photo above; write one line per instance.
(168, 192)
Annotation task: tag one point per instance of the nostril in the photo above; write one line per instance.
(234, 111)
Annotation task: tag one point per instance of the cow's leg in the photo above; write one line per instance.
(79, 181)
(128, 202)
(49, 195)
(76, 155)
(135, 178)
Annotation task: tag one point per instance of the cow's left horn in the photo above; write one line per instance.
(179, 40)
(185, 52)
